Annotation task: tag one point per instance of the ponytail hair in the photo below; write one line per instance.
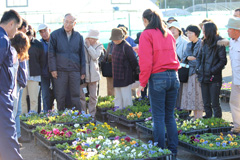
(155, 21)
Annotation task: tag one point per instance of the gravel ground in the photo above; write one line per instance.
(30, 151)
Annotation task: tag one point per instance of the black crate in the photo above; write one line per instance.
(50, 143)
(220, 129)
(143, 129)
(60, 153)
(112, 117)
(196, 131)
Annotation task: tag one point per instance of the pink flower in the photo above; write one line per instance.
(196, 140)
(61, 133)
(97, 146)
(89, 131)
(68, 134)
(116, 138)
(49, 133)
(49, 137)
(56, 131)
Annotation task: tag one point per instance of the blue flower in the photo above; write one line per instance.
(150, 145)
(74, 143)
(150, 142)
(86, 144)
(139, 99)
(160, 150)
(76, 113)
(205, 142)
(218, 143)
(155, 143)
(151, 152)
(142, 151)
(83, 112)
(197, 136)
(73, 108)
(144, 146)
(78, 139)
(224, 144)
(73, 117)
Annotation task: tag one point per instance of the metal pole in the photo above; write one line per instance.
(165, 5)
(206, 9)
(129, 25)
(193, 4)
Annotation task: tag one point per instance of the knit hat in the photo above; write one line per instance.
(138, 37)
(171, 19)
(176, 25)
(117, 34)
(234, 23)
(93, 34)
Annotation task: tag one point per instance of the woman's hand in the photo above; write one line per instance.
(140, 88)
(87, 42)
(191, 58)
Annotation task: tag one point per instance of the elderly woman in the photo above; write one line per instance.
(93, 51)
(192, 95)
(181, 44)
(124, 62)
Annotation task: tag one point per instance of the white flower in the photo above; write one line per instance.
(127, 148)
(97, 142)
(76, 125)
(109, 157)
(100, 137)
(140, 154)
(101, 156)
(134, 150)
(78, 134)
(89, 150)
(194, 127)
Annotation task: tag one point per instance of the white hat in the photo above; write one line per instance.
(93, 34)
(176, 25)
(42, 26)
(234, 23)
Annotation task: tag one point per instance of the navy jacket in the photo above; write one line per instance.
(6, 63)
(64, 55)
(45, 69)
(22, 74)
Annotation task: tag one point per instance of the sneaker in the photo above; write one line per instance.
(22, 140)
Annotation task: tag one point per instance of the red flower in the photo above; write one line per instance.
(97, 146)
(43, 131)
(64, 129)
(56, 131)
(179, 131)
(48, 133)
(83, 131)
(61, 133)
(70, 132)
(128, 139)
(79, 148)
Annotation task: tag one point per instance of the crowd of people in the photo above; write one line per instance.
(62, 65)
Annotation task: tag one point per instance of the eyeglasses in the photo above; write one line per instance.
(69, 22)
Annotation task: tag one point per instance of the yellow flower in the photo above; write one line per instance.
(122, 139)
(217, 139)
(231, 144)
(105, 123)
(224, 141)
(128, 116)
(221, 133)
(235, 143)
(234, 136)
(133, 115)
(111, 132)
(202, 140)
(116, 127)
(229, 135)
(123, 142)
(92, 124)
(210, 145)
(94, 128)
(87, 125)
(212, 124)
(221, 137)
(231, 139)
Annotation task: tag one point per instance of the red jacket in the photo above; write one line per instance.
(156, 54)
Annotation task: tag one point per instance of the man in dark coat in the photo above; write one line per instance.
(66, 60)
(9, 148)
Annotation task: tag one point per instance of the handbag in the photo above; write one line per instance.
(106, 66)
(183, 72)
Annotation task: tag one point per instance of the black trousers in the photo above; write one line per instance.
(65, 81)
(211, 101)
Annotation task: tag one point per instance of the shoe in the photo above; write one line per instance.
(234, 131)
(20, 145)
(22, 140)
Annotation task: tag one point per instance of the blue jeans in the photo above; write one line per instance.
(47, 93)
(19, 110)
(163, 90)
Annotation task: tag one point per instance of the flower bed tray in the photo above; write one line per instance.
(196, 131)
(112, 117)
(59, 154)
(142, 129)
(26, 125)
(103, 112)
(220, 129)
(211, 154)
(49, 143)
(129, 123)
(184, 115)
(164, 157)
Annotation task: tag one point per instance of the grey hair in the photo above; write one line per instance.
(69, 14)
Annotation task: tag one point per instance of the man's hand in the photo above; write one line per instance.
(191, 58)
(140, 88)
(54, 74)
(82, 76)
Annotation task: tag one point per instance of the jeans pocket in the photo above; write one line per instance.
(177, 84)
(159, 85)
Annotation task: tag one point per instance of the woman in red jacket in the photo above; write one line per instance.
(158, 65)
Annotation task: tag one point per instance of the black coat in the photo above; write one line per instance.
(210, 63)
(36, 57)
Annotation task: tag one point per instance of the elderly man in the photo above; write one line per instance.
(234, 52)
(66, 60)
(46, 77)
(9, 148)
